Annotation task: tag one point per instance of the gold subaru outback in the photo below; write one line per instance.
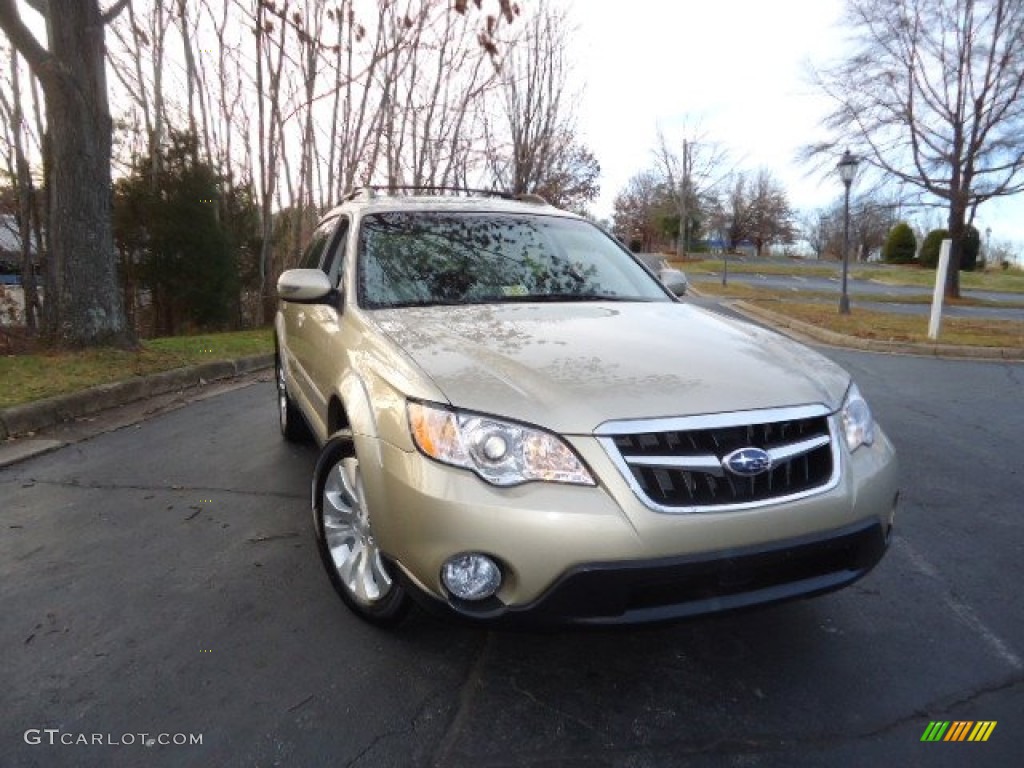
(519, 422)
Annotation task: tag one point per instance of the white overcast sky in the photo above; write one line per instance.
(739, 67)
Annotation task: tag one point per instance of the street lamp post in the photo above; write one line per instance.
(847, 168)
(988, 246)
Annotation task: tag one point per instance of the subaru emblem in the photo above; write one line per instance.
(747, 462)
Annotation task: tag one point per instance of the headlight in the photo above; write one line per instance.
(500, 452)
(858, 423)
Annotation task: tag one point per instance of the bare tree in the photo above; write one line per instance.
(355, 121)
(769, 217)
(638, 209)
(186, 29)
(872, 215)
(932, 95)
(301, 98)
(445, 110)
(141, 38)
(83, 300)
(487, 35)
(24, 187)
(532, 145)
(691, 175)
(731, 212)
(571, 178)
(269, 66)
(871, 218)
(816, 229)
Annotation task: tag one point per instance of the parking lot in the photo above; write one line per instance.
(161, 581)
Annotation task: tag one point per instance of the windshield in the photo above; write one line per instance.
(422, 258)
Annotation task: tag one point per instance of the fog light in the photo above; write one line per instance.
(471, 577)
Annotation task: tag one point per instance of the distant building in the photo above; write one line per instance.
(10, 245)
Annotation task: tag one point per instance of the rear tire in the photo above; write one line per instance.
(293, 424)
(345, 538)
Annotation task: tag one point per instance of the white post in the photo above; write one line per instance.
(940, 288)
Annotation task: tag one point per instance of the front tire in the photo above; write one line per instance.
(345, 540)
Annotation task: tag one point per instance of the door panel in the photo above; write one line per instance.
(298, 319)
(324, 326)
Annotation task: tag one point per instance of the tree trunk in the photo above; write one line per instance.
(83, 263)
(82, 292)
(681, 206)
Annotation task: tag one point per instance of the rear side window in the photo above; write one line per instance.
(317, 243)
(332, 265)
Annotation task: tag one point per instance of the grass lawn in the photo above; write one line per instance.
(713, 266)
(737, 290)
(1010, 281)
(887, 326)
(35, 376)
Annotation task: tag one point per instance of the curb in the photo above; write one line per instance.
(951, 351)
(31, 417)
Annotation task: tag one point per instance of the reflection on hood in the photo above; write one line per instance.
(570, 367)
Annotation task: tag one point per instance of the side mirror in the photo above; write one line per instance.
(674, 280)
(304, 285)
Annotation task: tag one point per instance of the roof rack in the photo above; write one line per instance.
(369, 191)
(531, 197)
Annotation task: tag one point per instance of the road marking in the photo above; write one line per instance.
(959, 608)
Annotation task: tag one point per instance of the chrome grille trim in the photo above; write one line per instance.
(710, 464)
(710, 420)
(793, 450)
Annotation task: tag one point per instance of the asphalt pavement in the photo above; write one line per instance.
(160, 581)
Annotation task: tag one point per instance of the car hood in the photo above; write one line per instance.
(572, 366)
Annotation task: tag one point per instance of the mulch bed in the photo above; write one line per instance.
(18, 340)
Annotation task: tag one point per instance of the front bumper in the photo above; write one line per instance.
(598, 555)
(639, 592)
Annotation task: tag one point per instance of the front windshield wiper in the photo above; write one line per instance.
(533, 299)
(418, 303)
(543, 297)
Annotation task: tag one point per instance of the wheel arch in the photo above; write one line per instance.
(350, 408)
(337, 416)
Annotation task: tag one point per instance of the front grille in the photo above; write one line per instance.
(677, 464)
